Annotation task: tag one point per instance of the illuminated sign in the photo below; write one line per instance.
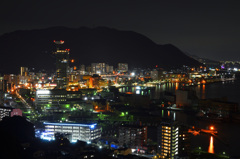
(43, 91)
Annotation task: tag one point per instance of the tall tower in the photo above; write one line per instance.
(62, 64)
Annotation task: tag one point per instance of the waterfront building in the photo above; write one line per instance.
(173, 139)
(82, 132)
(154, 74)
(218, 108)
(186, 98)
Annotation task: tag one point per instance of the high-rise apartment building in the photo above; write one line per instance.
(132, 136)
(98, 68)
(122, 67)
(172, 139)
(23, 71)
(62, 64)
(109, 69)
(82, 69)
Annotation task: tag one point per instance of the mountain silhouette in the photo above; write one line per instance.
(33, 48)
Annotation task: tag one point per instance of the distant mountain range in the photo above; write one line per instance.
(33, 48)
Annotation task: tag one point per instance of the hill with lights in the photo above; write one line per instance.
(33, 48)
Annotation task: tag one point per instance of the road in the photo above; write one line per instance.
(23, 101)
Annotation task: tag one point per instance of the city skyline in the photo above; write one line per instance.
(120, 79)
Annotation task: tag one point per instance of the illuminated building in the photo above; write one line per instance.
(9, 112)
(173, 139)
(82, 132)
(62, 64)
(98, 68)
(218, 106)
(23, 71)
(1, 83)
(132, 136)
(122, 67)
(4, 84)
(157, 74)
(53, 100)
(82, 69)
(88, 70)
(109, 69)
(8, 82)
(17, 112)
(154, 74)
(5, 111)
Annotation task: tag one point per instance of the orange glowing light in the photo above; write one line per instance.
(203, 81)
(194, 132)
(96, 107)
(211, 145)
(72, 61)
(211, 128)
(177, 84)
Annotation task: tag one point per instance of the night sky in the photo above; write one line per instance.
(206, 28)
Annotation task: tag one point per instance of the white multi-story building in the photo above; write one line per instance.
(5, 111)
(173, 140)
(82, 132)
(168, 139)
(52, 99)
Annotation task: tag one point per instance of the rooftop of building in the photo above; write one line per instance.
(132, 126)
(92, 125)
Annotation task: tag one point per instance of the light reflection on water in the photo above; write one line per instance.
(228, 137)
(211, 145)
